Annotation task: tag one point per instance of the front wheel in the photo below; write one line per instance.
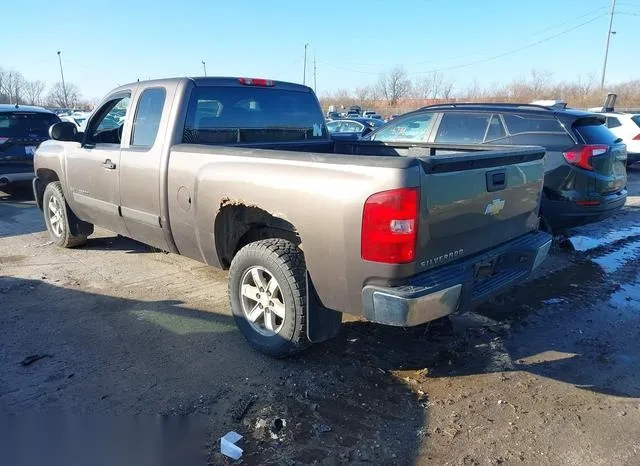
(57, 217)
(268, 296)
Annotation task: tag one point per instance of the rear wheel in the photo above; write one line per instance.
(58, 217)
(268, 295)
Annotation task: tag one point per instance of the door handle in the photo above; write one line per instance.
(496, 180)
(108, 164)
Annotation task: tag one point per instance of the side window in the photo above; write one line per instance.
(410, 129)
(519, 123)
(495, 130)
(147, 119)
(106, 127)
(613, 122)
(463, 128)
(352, 127)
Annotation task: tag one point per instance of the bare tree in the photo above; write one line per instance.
(394, 85)
(56, 96)
(33, 92)
(363, 95)
(12, 87)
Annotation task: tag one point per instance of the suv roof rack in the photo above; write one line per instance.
(491, 104)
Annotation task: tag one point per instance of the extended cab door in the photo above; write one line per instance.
(140, 165)
(93, 167)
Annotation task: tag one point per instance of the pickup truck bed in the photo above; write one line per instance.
(400, 234)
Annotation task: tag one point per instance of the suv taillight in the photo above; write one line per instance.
(389, 226)
(581, 156)
(637, 138)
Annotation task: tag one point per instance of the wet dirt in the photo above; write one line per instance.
(544, 374)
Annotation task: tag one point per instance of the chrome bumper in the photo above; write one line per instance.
(443, 291)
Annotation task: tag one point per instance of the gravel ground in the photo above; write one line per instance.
(546, 374)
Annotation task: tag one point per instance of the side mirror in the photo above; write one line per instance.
(63, 131)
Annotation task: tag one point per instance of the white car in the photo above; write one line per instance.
(78, 118)
(627, 127)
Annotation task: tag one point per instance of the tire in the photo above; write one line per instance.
(285, 311)
(58, 217)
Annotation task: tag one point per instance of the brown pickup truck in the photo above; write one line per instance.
(242, 174)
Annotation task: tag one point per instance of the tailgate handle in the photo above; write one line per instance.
(496, 180)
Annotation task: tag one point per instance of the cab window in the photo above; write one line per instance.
(107, 125)
(147, 119)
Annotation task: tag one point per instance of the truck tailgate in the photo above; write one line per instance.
(476, 201)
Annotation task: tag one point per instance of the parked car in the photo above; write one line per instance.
(333, 115)
(242, 174)
(585, 176)
(627, 127)
(353, 128)
(22, 128)
(371, 114)
(77, 118)
(354, 110)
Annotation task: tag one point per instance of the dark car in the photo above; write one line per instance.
(585, 174)
(353, 128)
(22, 128)
(333, 115)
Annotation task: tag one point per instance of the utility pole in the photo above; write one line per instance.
(606, 50)
(314, 73)
(64, 87)
(204, 67)
(304, 71)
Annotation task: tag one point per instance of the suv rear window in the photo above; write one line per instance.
(521, 123)
(232, 115)
(594, 131)
(636, 120)
(25, 124)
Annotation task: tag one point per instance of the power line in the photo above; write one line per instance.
(484, 60)
(422, 62)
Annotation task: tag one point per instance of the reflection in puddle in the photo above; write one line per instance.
(615, 260)
(627, 297)
(586, 243)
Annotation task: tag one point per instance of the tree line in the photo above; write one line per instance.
(395, 92)
(16, 89)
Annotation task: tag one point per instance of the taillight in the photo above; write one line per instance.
(637, 138)
(581, 156)
(256, 82)
(389, 226)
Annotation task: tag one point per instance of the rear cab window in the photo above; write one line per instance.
(237, 115)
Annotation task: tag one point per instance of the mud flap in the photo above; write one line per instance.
(322, 323)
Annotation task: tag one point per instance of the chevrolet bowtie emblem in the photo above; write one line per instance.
(494, 207)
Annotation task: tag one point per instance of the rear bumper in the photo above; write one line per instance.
(567, 214)
(7, 179)
(442, 291)
(633, 157)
